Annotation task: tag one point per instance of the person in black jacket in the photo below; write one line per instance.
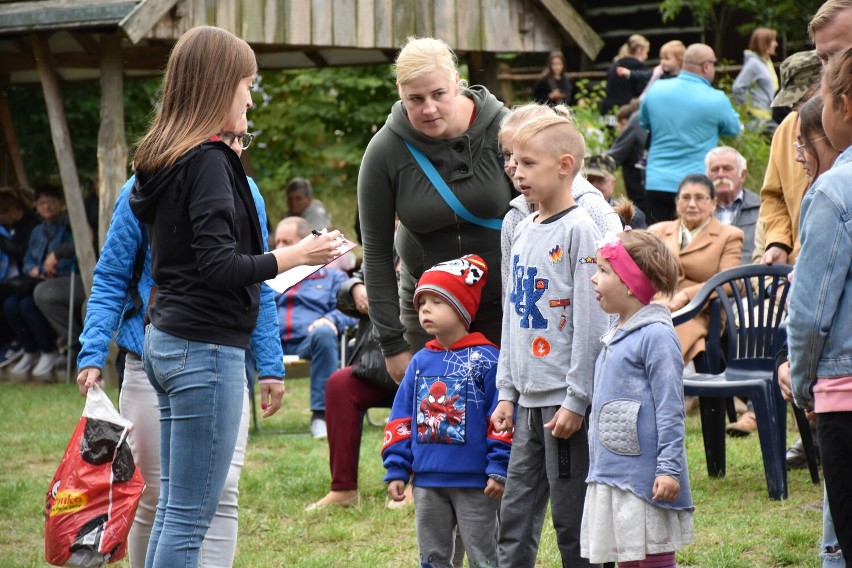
(554, 87)
(207, 257)
(17, 220)
(620, 89)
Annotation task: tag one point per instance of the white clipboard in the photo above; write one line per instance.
(290, 278)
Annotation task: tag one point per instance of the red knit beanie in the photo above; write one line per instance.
(459, 282)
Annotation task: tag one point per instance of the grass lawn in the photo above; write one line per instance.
(736, 525)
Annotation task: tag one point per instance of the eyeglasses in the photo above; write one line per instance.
(710, 61)
(800, 148)
(229, 138)
(699, 198)
(504, 158)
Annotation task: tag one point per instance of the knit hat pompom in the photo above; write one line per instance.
(459, 282)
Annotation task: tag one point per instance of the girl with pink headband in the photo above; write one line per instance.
(638, 508)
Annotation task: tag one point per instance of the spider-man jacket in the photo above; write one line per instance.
(440, 424)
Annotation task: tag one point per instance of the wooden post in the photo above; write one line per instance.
(112, 144)
(482, 68)
(65, 158)
(12, 141)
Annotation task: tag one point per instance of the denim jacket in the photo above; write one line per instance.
(819, 331)
(45, 239)
(110, 299)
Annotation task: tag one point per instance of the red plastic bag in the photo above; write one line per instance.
(92, 498)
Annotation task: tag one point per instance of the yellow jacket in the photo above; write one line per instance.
(783, 189)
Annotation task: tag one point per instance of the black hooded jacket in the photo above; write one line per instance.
(206, 251)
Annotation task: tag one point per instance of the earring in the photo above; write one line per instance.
(629, 293)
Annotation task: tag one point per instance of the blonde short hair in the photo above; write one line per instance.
(826, 14)
(560, 135)
(423, 55)
(524, 113)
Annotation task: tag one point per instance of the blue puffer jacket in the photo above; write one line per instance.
(110, 299)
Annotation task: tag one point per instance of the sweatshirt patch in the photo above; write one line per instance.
(397, 431)
(556, 254)
(440, 411)
(540, 347)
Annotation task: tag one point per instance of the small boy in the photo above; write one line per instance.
(552, 326)
(439, 428)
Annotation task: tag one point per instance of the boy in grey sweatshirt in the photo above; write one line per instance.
(552, 325)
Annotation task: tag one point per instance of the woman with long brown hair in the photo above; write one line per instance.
(207, 258)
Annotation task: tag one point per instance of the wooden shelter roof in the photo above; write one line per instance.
(291, 34)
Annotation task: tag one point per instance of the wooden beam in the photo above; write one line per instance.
(12, 141)
(112, 144)
(317, 58)
(88, 43)
(65, 158)
(574, 25)
(143, 17)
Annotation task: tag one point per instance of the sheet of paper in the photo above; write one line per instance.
(290, 278)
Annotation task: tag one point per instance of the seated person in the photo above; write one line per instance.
(348, 396)
(703, 247)
(52, 296)
(17, 220)
(600, 172)
(310, 322)
(300, 203)
(735, 205)
(26, 321)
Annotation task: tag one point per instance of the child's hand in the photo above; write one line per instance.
(564, 423)
(502, 418)
(494, 489)
(666, 488)
(396, 490)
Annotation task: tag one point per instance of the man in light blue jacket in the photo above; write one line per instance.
(686, 116)
(117, 304)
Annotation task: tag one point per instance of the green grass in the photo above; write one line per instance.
(736, 525)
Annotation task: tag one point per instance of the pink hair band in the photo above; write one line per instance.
(628, 271)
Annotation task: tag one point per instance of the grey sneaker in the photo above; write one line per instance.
(796, 457)
(11, 355)
(318, 428)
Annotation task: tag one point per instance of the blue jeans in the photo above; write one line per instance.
(321, 348)
(832, 557)
(28, 325)
(200, 394)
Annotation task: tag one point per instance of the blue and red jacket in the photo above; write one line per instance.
(312, 298)
(440, 424)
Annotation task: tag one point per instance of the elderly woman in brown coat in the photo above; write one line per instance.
(704, 247)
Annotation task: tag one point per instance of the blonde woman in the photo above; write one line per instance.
(620, 88)
(455, 128)
(207, 257)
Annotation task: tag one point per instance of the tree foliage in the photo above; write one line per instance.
(789, 17)
(82, 102)
(316, 124)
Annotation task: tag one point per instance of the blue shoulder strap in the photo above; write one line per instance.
(447, 194)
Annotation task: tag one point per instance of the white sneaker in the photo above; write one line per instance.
(319, 429)
(24, 364)
(45, 364)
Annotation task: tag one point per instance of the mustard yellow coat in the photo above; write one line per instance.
(718, 247)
